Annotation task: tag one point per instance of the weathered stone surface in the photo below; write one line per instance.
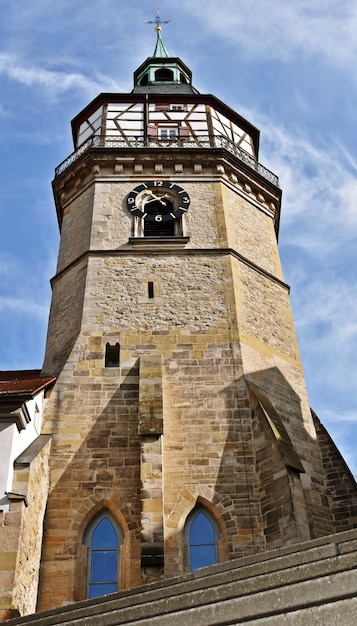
(221, 312)
(315, 584)
(21, 531)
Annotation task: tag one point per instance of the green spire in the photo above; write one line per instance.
(160, 48)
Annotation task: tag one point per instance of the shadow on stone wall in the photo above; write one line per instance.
(269, 489)
(102, 472)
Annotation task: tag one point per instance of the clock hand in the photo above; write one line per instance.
(154, 199)
(149, 198)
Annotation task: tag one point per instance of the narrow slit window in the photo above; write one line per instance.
(150, 290)
(112, 355)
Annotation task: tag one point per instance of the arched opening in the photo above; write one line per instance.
(201, 534)
(103, 539)
(164, 75)
(159, 222)
(144, 80)
(159, 229)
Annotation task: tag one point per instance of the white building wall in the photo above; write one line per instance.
(13, 442)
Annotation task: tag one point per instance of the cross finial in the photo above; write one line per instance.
(158, 21)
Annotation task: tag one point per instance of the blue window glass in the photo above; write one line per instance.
(201, 534)
(103, 538)
(202, 530)
(202, 556)
(104, 565)
(104, 535)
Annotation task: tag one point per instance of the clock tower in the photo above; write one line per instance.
(181, 429)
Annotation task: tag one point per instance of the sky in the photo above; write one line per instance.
(288, 67)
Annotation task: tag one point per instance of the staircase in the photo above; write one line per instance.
(310, 583)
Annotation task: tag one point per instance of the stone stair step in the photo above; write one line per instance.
(285, 581)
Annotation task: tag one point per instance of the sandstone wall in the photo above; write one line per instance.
(21, 532)
(172, 427)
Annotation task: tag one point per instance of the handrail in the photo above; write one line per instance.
(193, 142)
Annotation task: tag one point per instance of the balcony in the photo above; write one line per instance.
(192, 142)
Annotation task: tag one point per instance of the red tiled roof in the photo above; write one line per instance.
(23, 382)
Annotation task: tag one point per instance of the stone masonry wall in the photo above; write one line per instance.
(93, 415)
(341, 484)
(76, 228)
(271, 358)
(281, 493)
(21, 538)
(250, 230)
(65, 317)
(220, 315)
(33, 480)
(10, 523)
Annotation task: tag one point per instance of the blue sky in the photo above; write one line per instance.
(289, 68)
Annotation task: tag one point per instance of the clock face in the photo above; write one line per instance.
(158, 201)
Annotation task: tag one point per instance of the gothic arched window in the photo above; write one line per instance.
(201, 536)
(103, 539)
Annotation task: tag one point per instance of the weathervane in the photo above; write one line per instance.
(158, 21)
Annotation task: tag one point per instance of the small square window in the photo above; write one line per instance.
(168, 132)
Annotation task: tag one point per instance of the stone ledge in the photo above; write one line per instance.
(291, 581)
(32, 451)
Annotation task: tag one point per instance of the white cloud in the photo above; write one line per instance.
(341, 416)
(9, 268)
(54, 82)
(18, 305)
(320, 187)
(276, 30)
(348, 199)
(4, 112)
(333, 313)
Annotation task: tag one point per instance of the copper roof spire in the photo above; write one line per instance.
(160, 48)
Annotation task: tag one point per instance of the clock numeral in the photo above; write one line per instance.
(158, 183)
(131, 200)
(158, 218)
(186, 200)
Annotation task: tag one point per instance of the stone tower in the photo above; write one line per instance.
(180, 425)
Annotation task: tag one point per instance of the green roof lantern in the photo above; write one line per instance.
(162, 73)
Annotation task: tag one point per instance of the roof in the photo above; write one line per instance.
(160, 48)
(168, 89)
(29, 382)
